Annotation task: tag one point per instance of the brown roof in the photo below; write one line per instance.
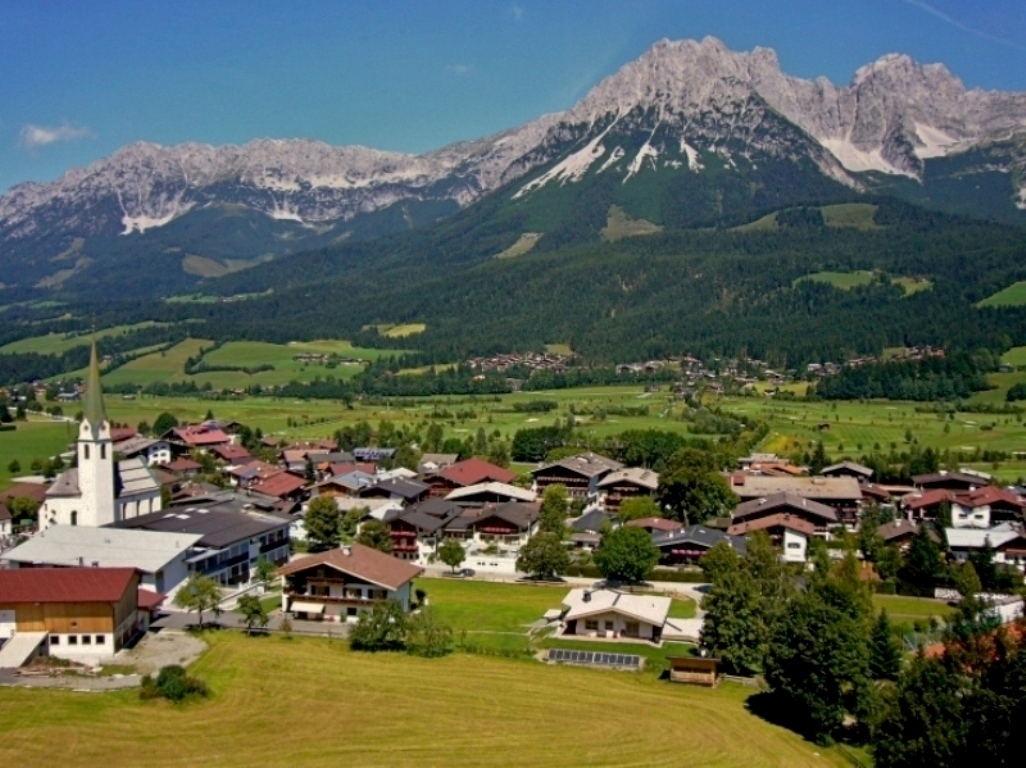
(897, 529)
(65, 585)
(200, 434)
(150, 600)
(781, 519)
(656, 524)
(279, 485)
(784, 502)
(474, 471)
(184, 465)
(820, 488)
(35, 491)
(362, 562)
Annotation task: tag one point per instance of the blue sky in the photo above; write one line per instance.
(79, 79)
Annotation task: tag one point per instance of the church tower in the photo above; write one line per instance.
(95, 455)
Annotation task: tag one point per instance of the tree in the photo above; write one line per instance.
(23, 509)
(480, 442)
(638, 507)
(922, 563)
(428, 636)
(870, 542)
(544, 556)
(351, 521)
(14, 467)
(382, 628)
(264, 570)
(163, 423)
(452, 553)
(36, 465)
(209, 416)
(143, 428)
(719, 559)
(376, 535)
(695, 494)
(884, 650)
(554, 504)
(732, 628)
(967, 582)
(626, 554)
(200, 593)
(818, 660)
(254, 615)
(433, 438)
(323, 523)
(819, 459)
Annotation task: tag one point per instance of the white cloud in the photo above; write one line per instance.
(33, 136)
(939, 14)
(460, 69)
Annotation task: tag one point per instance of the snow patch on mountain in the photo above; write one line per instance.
(647, 152)
(573, 168)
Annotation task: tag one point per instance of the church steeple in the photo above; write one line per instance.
(93, 410)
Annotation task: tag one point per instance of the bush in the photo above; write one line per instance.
(427, 636)
(173, 684)
(657, 574)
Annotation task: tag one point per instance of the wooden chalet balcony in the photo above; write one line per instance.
(404, 546)
(331, 600)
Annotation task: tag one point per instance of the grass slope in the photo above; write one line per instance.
(1012, 296)
(58, 343)
(308, 702)
(33, 440)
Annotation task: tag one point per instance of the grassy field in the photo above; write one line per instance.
(909, 608)
(857, 215)
(1012, 296)
(523, 245)
(310, 702)
(36, 439)
(159, 367)
(1015, 356)
(619, 225)
(58, 343)
(843, 280)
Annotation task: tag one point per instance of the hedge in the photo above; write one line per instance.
(658, 574)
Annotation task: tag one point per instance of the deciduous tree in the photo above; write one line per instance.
(544, 556)
(376, 535)
(626, 554)
(200, 594)
(452, 553)
(323, 523)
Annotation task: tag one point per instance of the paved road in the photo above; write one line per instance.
(178, 620)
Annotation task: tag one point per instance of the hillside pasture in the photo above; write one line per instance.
(842, 280)
(38, 438)
(312, 702)
(59, 343)
(167, 366)
(1012, 296)
(857, 215)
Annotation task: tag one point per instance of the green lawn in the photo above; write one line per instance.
(1012, 296)
(907, 608)
(58, 343)
(843, 280)
(36, 439)
(311, 702)
(858, 215)
(1015, 356)
(167, 366)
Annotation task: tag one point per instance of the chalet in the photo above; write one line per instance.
(898, 532)
(196, 437)
(842, 494)
(490, 493)
(689, 545)
(626, 483)
(610, 615)
(432, 463)
(252, 472)
(232, 454)
(406, 491)
(986, 507)
(507, 525)
(1008, 544)
(951, 481)
(818, 516)
(656, 525)
(162, 560)
(151, 450)
(82, 614)
(926, 505)
(184, 467)
(338, 584)
(236, 532)
(586, 530)
(580, 474)
(283, 485)
(848, 469)
(418, 530)
(466, 473)
(786, 530)
(34, 491)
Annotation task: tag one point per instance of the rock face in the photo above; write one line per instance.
(677, 108)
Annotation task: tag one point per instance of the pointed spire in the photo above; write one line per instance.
(93, 411)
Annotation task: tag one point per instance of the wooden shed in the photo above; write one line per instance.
(694, 670)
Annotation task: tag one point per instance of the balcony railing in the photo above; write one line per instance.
(334, 600)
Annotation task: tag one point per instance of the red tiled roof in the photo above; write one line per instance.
(231, 452)
(782, 519)
(281, 484)
(362, 562)
(987, 495)
(184, 465)
(201, 435)
(150, 600)
(119, 434)
(34, 491)
(65, 585)
(474, 471)
(346, 467)
(927, 499)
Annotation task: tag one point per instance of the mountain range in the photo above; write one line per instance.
(690, 135)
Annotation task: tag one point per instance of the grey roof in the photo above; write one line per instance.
(698, 534)
(134, 445)
(397, 486)
(833, 488)
(592, 520)
(851, 466)
(220, 524)
(148, 551)
(65, 484)
(134, 478)
(785, 500)
(644, 478)
(588, 464)
(334, 457)
(514, 512)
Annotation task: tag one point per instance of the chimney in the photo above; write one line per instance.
(347, 550)
(586, 597)
(81, 562)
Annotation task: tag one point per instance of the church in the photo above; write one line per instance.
(98, 491)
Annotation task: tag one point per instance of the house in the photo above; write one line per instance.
(490, 493)
(926, 505)
(161, 559)
(1008, 544)
(338, 584)
(34, 491)
(342, 485)
(580, 474)
(626, 483)
(153, 451)
(432, 463)
(183, 466)
(788, 531)
(82, 614)
(818, 516)
(507, 525)
(236, 531)
(898, 532)
(251, 472)
(842, 494)
(986, 507)
(232, 454)
(951, 481)
(406, 491)
(848, 469)
(373, 454)
(283, 485)
(656, 525)
(98, 490)
(196, 437)
(418, 530)
(610, 615)
(463, 474)
(688, 546)
(586, 530)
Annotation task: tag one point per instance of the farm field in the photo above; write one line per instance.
(908, 608)
(35, 439)
(1012, 296)
(311, 702)
(843, 280)
(158, 367)
(1015, 356)
(58, 343)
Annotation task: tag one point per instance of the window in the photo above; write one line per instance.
(72, 639)
(609, 626)
(103, 450)
(591, 624)
(794, 545)
(74, 518)
(55, 640)
(101, 639)
(85, 450)
(351, 611)
(87, 639)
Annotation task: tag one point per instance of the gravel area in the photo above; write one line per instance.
(160, 649)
